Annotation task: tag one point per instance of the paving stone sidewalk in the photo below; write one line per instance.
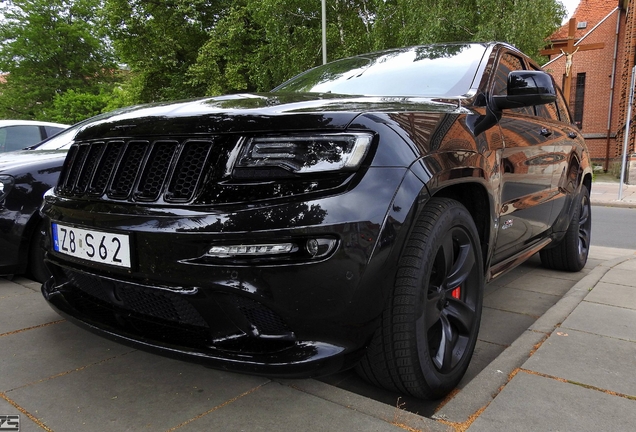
(571, 370)
(607, 194)
(579, 375)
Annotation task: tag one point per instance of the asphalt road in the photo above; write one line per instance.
(614, 227)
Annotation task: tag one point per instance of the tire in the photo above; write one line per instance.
(36, 268)
(570, 253)
(427, 334)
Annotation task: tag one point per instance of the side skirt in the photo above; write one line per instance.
(512, 262)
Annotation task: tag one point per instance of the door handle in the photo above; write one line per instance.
(545, 132)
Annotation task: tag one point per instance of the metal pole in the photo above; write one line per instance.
(324, 31)
(627, 125)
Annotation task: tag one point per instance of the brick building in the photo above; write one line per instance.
(600, 73)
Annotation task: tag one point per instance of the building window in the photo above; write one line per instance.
(579, 96)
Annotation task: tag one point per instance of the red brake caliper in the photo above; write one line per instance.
(457, 292)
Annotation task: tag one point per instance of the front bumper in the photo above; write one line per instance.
(271, 318)
(291, 360)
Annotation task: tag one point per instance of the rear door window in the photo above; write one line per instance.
(18, 137)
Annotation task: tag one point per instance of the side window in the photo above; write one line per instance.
(555, 111)
(507, 64)
(549, 111)
(52, 130)
(564, 112)
(19, 137)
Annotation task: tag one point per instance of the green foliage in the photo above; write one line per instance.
(62, 55)
(72, 106)
(251, 48)
(49, 47)
(258, 44)
(159, 40)
(414, 22)
(523, 23)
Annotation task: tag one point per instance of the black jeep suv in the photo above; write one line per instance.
(350, 217)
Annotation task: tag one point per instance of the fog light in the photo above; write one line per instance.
(251, 250)
(312, 247)
(320, 247)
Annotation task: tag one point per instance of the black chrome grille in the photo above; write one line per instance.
(125, 175)
(90, 164)
(137, 169)
(156, 171)
(107, 163)
(187, 172)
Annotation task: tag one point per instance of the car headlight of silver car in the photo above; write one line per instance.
(6, 184)
(271, 156)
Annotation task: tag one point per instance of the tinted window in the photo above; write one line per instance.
(18, 137)
(548, 111)
(555, 111)
(507, 64)
(438, 70)
(52, 130)
(564, 113)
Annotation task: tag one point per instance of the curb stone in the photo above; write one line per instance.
(480, 391)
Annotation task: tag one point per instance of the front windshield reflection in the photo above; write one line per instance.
(428, 71)
(63, 140)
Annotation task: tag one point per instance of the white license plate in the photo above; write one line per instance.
(97, 246)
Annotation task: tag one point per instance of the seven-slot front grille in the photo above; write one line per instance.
(136, 169)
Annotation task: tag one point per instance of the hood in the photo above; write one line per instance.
(20, 161)
(255, 113)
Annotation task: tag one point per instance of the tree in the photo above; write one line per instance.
(61, 62)
(257, 44)
(525, 24)
(49, 47)
(159, 40)
(73, 106)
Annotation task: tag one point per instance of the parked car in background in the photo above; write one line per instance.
(24, 177)
(351, 217)
(19, 134)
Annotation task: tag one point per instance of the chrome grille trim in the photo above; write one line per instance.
(136, 169)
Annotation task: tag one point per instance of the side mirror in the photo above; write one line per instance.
(527, 88)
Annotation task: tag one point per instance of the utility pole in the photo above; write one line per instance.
(627, 132)
(324, 31)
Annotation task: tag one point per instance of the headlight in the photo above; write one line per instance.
(301, 154)
(6, 184)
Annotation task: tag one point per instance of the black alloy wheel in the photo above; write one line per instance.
(430, 326)
(570, 253)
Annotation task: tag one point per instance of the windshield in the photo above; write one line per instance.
(62, 140)
(429, 71)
